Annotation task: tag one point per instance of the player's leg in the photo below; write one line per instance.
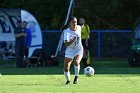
(22, 55)
(84, 59)
(26, 53)
(18, 54)
(77, 61)
(67, 64)
(85, 55)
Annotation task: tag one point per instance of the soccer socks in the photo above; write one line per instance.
(67, 75)
(77, 69)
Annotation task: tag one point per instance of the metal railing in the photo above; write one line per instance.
(98, 36)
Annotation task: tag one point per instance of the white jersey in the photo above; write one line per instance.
(77, 44)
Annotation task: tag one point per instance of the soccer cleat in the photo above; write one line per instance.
(67, 82)
(75, 80)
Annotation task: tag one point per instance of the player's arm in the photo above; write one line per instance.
(70, 41)
(23, 34)
(20, 35)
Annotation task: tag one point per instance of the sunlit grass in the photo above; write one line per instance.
(110, 77)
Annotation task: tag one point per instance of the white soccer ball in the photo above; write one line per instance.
(89, 71)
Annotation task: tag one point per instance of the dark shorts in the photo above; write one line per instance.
(84, 45)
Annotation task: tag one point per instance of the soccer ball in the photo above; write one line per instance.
(89, 71)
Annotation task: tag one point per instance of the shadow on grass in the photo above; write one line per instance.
(100, 66)
(115, 67)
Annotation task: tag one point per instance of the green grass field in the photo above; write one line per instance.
(110, 77)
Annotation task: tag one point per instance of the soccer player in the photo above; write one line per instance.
(74, 48)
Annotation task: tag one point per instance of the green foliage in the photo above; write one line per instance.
(108, 14)
(50, 14)
(99, 14)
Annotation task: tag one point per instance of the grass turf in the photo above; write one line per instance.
(110, 77)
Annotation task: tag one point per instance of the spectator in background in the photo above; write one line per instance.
(20, 35)
(85, 35)
(28, 40)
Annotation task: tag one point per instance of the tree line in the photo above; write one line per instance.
(99, 14)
